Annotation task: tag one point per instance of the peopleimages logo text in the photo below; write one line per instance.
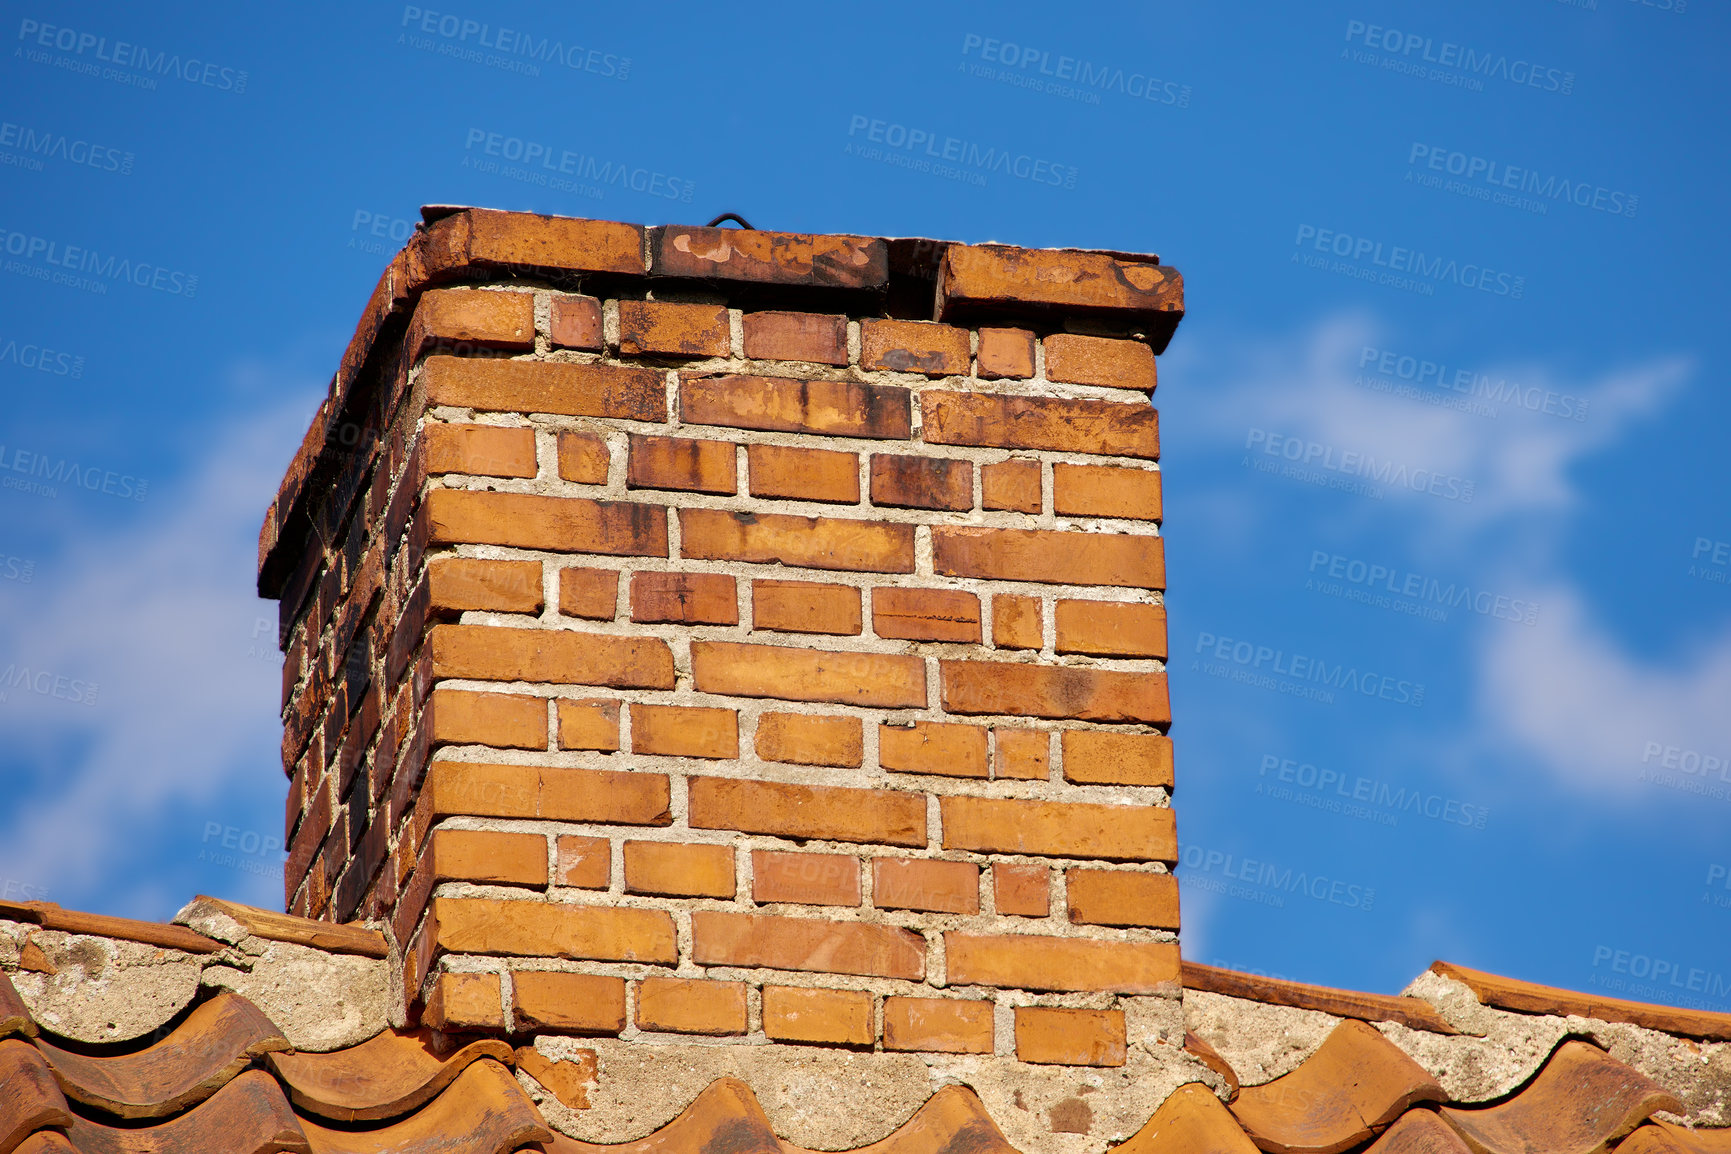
(1468, 383)
(1412, 262)
(124, 54)
(550, 162)
(1314, 670)
(1447, 54)
(90, 263)
(952, 150)
(460, 31)
(1372, 792)
(1351, 463)
(35, 145)
(1270, 876)
(1497, 176)
(1037, 62)
(1387, 578)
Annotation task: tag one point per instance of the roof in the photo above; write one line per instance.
(1452, 1065)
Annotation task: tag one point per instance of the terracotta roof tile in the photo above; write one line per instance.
(385, 1077)
(29, 1099)
(483, 1111)
(278, 927)
(1411, 1012)
(46, 1142)
(1664, 1138)
(15, 1016)
(250, 1115)
(726, 1116)
(1580, 1100)
(218, 1040)
(1356, 1082)
(952, 1121)
(1531, 998)
(1210, 1057)
(50, 916)
(1419, 1132)
(1191, 1121)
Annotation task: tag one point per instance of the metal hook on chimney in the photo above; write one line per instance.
(734, 217)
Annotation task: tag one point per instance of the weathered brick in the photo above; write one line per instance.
(782, 405)
(480, 450)
(473, 855)
(803, 474)
(1029, 962)
(995, 420)
(1097, 757)
(805, 607)
(1114, 364)
(811, 944)
(672, 328)
(530, 240)
(555, 794)
(1106, 491)
(685, 1006)
(1012, 486)
(998, 278)
(926, 614)
(684, 599)
(583, 457)
(457, 584)
(674, 869)
(812, 542)
(814, 337)
(588, 724)
(1122, 898)
(1016, 622)
(576, 323)
(527, 521)
(1111, 629)
(938, 1025)
(684, 731)
(471, 319)
(908, 482)
(1016, 689)
(816, 879)
(502, 720)
(465, 1002)
(757, 257)
(946, 887)
(554, 930)
(1052, 556)
(806, 740)
(913, 347)
(830, 1017)
(568, 1003)
(933, 747)
(491, 653)
(1006, 353)
(828, 813)
(1060, 1037)
(1021, 890)
(561, 388)
(867, 679)
(1059, 829)
(584, 863)
(589, 593)
(681, 463)
(1022, 754)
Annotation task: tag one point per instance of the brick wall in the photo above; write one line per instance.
(685, 634)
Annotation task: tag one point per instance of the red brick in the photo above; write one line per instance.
(675, 869)
(812, 542)
(832, 1017)
(465, 1002)
(683, 599)
(938, 1025)
(1022, 754)
(679, 463)
(1016, 622)
(933, 747)
(471, 319)
(562, 388)
(684, 731)
(974, 277)
(1111, 629)
(480, 450)
(576, 323)
(945, 887)
(922, 482)
(589, 593)
(1029, 962)
(1059, 829)
(1106, 491)
(563, 524)
(492, 236)
(1021, 890)
(583, 457)
(1122, 898)
(1051, 556)
(1070, 1037)
(673, 329)
(551, 794)
(926, 614)
(806, 740)
(805, 607)
(1012, 486)
(816, 879)
(568, 1003)
(1020, 690)
(803, 474)
(1006, 353)
(778, 404)
(584, 863)
(461, 583)
(1113, 364)
(685, 1006)
(1098, 757)
(489, 653)
(913, 347)
(995, 420)
(475, 855)
(554, 930)
(757, 257)
(827, 813)
(814, 337)
(502, 720)
(865, 679)
(811, 944)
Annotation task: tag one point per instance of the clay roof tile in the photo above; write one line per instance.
(483, 1111)
(250, 1115)
(387, 1076)
(29, 1099)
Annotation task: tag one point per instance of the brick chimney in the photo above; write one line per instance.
(694, 631)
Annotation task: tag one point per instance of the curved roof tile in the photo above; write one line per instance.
(1419, 1132)
(15, 1016)
(483, 1111)
(29, 1099)
(726, 1116)
(1664, 1138)
(1190, 1121)
(387, 1076)
(250, 1115)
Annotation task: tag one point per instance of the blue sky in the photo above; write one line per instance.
(1449, 519)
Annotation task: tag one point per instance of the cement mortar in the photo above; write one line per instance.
(13, 935)
(1260, 1042)
(106, 990)
(319, 1001)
